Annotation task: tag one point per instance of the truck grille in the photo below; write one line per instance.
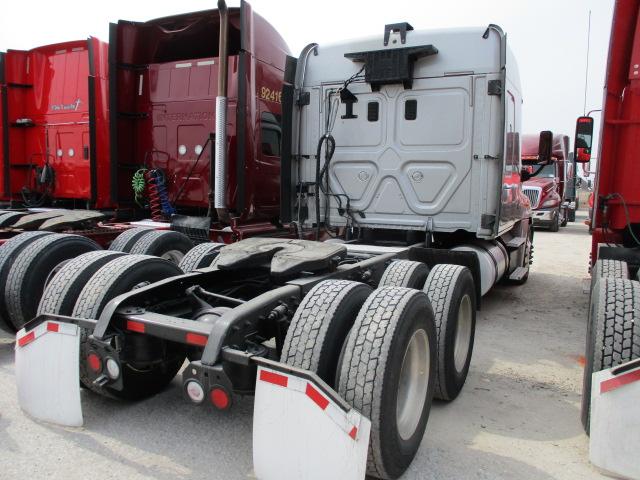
(534, 195)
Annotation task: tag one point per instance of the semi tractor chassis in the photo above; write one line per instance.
(377, 329)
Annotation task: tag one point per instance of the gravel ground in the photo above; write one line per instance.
(517, 416)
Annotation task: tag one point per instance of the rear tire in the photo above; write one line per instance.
(115, 278)
(387, 374)
(450, 289)
(607, 268)
(166, 244)
(555, 223)
(8, 252)
(405, 273)
(200, 256)
(320, 327)
(34, 267)
(9, 218)
(127, 239)
(614, 333)
(61, 293)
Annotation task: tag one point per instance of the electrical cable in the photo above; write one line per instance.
(626, 213)
(322, 174)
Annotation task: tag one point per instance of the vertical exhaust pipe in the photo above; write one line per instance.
(220, 183)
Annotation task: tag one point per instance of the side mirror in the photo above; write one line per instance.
(583, 139)
(545, 147)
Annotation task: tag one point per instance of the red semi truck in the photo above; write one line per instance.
(160, 84)
(613, 332)
(549, 187)
(215, 172)
(165, 77)
(54, 119)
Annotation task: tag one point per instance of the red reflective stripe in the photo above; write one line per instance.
(28, 338)
(275, 378)
(135, 326)
(195, 339)
(316, 396)
(52, 327)
(619, 381)
(353, 433)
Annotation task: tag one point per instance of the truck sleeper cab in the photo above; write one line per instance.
(335, 337)
(164, 76)
(54, 110)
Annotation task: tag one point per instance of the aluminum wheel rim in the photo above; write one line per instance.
(413, 384)
(463, 334)
(173, 256)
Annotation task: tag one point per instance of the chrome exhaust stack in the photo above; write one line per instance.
(220, 184)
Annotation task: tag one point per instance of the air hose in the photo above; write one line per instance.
(158, 197)
(138, 184)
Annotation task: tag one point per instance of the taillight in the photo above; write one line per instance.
(94, 362)
(220, 398)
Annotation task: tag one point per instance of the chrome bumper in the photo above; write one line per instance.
(544, 216)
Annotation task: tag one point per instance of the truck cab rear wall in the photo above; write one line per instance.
(54, 111)
(164, 74)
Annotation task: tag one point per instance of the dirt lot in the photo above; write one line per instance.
(517, 417)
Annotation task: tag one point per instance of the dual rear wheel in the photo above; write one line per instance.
(389, 351)
(83, 287)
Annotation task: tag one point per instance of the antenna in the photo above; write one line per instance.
(586, 73)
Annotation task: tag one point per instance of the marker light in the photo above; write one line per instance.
(113, 369)
(194, 391)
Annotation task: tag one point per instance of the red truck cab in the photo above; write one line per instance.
(54, 119)
(547, 188)
(163, 94)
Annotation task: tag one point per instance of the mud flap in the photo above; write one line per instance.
(615, 420)
(302, 430)
(47, 373)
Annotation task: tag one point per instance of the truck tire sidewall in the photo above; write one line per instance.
(397, 452)
(371, 370)
(76, 282)
(449, 376)
(330, 340)
(555, 223)
(590, 352)
(137, 382)
(405, 273)
(8, 252)
(166, 241)
(34, 279)
(127, 239)
(200, 256)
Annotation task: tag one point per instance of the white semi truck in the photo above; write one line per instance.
(401, 158)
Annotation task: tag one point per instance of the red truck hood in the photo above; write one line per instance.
(543, 182)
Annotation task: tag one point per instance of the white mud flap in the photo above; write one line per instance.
(301, 433)
(47, 373)
(615, 420)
